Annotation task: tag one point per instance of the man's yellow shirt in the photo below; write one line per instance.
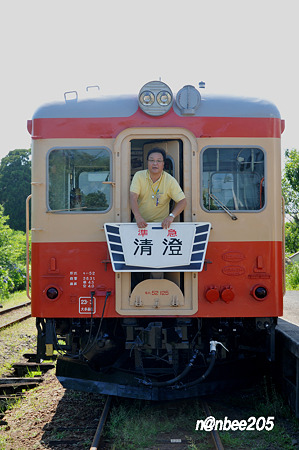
(154, 198)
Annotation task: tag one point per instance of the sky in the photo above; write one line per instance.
(237, 47)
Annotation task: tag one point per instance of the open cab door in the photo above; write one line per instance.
(167, 261)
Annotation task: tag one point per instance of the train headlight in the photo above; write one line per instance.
(164, 98)
(259, 292)
(147, 98)
(155, 98)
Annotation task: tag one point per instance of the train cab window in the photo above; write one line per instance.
(233, 178)
(78, 180)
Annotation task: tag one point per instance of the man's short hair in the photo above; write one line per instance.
(157, 150)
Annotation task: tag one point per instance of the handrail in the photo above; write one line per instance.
(27, 248)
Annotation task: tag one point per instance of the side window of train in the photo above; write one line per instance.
(233, 178)
(78, 180)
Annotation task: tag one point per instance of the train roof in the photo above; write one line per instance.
(126, 106)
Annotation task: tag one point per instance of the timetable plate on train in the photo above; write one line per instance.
(180, 248)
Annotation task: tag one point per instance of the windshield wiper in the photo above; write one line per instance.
(225, 208)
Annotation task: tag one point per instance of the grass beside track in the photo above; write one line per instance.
(14, 299)
(16, 340)
(145, 425)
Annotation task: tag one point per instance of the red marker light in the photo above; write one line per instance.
(212, 295)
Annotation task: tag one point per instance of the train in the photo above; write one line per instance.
(208, 305)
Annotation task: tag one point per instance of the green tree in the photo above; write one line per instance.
(15, 179)
(291, 237)
(290, 190)
(12, 258)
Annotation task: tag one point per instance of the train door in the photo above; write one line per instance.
(173, 165)
(182, 156)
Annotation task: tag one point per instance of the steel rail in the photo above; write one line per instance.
(27, 316)
(13, 308)
(98, 433)
(214, 433)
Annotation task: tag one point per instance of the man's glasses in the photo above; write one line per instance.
(159, 161)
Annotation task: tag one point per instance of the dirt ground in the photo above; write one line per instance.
(41, 420)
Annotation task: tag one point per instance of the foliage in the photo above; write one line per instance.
(12, 258)
(15, 186)
(290, 190)
(292, 168)
(292, 276)
(96, 200)
(291, 237)
(291, 197)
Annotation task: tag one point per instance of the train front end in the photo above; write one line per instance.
(156, 314)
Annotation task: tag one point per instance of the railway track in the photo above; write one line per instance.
(13, 387)
(96, 442)
(5, 313)
(75, 430)
(174, 443)
(97, 437)
(214, 433)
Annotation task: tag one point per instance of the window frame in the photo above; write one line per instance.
(101, 147)
(202, 187)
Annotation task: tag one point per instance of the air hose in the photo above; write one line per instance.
(213, 345)
(173, 380)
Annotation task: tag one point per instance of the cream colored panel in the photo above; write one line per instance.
(166, 298)
(165, 294)
(48, 227)
(69, 227)
(260, 226)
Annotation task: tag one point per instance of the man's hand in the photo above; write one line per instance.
(167, 222)
(141, 223)
(179, 207)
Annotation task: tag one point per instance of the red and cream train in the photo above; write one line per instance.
(175, 334)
